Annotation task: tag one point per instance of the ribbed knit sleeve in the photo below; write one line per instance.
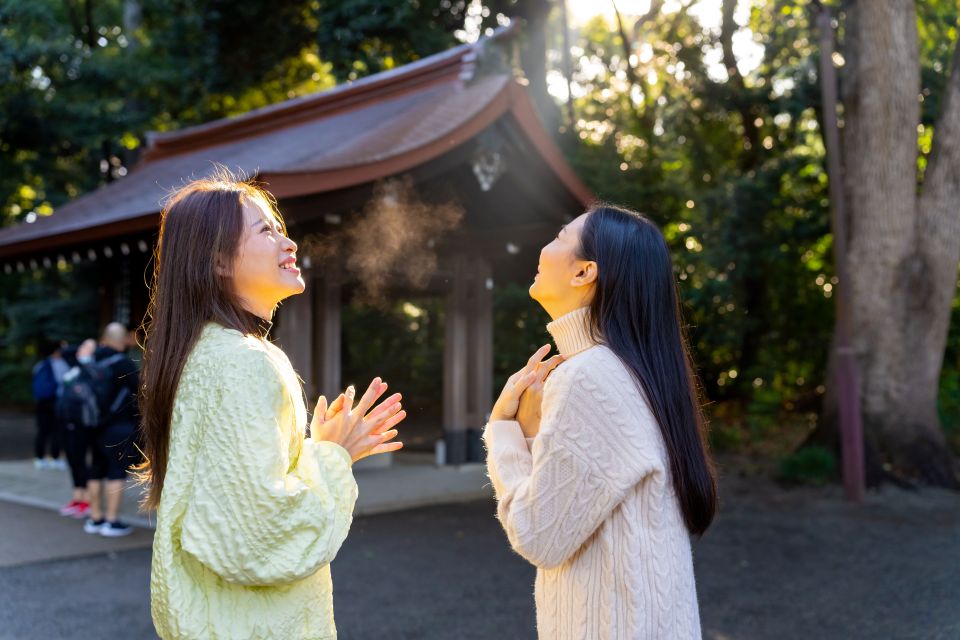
(588, 455)
(255, 516)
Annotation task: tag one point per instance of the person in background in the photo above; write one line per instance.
(114, 450)
(77, 440)
(47, 376)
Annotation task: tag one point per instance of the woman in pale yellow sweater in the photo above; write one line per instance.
(250, 509)
(603, 492)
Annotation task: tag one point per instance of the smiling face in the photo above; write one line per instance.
(564, 282)
(264, 270)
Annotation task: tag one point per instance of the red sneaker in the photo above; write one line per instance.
(70, 508)
(82, 510)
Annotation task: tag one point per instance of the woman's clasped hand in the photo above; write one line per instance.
(521, 395)
(363, 430)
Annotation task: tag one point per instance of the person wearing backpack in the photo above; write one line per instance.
(78, 438)
(100, 401)
(46, 379)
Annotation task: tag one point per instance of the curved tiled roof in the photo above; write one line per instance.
(350, 135)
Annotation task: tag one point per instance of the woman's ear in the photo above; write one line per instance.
(587, 274)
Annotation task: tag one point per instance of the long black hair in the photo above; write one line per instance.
(636, 312)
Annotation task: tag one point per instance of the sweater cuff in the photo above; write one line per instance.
(505, 435)
(332, 448)
(508, 458)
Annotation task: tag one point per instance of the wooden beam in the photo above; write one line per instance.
(455, 371)
(327, 332)
(294, 333)
(481, 344)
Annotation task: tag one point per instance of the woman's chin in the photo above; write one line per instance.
(294, 287)
(533, 290)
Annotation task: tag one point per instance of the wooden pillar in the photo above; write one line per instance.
(468, 358)
(455, 364)
(327, 333)
(294, 334)
(481, 343)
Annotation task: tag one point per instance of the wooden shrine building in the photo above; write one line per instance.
(459, 125)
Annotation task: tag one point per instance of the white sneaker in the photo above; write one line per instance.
(58, 463)
(115, 529)
(39, 463)
(94, 526)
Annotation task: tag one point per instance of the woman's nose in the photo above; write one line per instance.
(293, 246)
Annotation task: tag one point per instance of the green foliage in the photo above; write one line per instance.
(519, 329)
(79, 92)
(744, 208)
(401, 341)
(949, 395)
(36, 308)
(725, 437)
(937, 23)
(361, 37)
(809, 465)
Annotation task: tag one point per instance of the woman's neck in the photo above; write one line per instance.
(262, 324)
(556, 309)
(262, 311)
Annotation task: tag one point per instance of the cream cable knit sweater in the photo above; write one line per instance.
(592, 505)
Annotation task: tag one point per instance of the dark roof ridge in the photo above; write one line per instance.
(445, 65)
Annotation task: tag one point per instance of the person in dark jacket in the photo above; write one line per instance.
(114, 450)
(47, 378)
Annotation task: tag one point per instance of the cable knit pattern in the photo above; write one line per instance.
(252, 512)
(591, 503)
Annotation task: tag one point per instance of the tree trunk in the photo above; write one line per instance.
(903, 248)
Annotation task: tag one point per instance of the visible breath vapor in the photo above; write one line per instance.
(391, 243)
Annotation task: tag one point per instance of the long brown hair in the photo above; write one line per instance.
(201, 226)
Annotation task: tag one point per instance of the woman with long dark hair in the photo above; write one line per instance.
(603, 492)
(250, 509)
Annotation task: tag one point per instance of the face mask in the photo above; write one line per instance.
(85, 359)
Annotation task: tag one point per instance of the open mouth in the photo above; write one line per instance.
(289, 265)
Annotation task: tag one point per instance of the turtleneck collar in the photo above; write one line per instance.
(571, 332)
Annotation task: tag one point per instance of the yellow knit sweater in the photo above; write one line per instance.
(252, 512)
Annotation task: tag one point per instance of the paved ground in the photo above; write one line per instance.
(777, 564)
(17, 430)
(29, 535)
(412, 480)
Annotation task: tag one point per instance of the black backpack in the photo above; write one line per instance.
(90, 396)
